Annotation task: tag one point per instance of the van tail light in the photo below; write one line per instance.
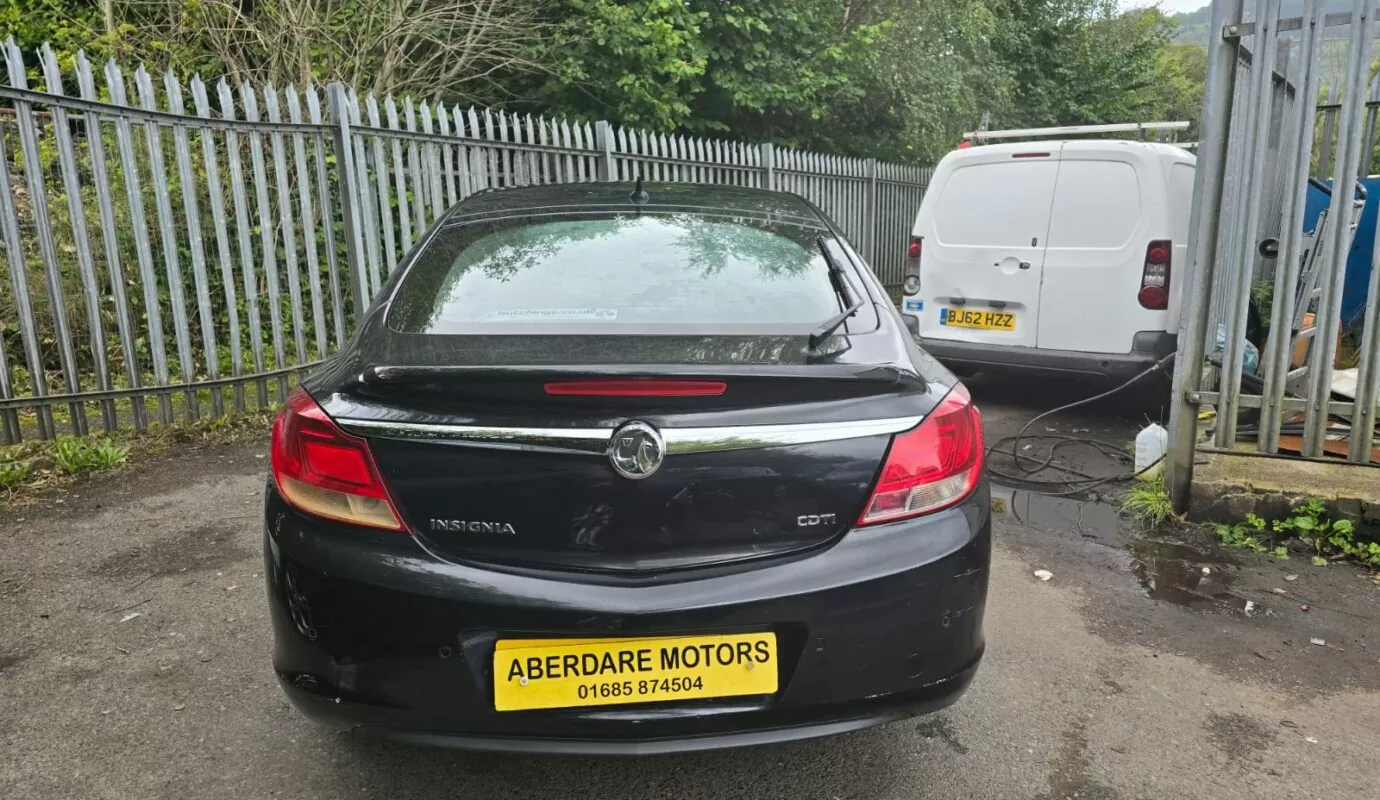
(932, 466)
(325, 471)
(1154, 279)
(911, 283)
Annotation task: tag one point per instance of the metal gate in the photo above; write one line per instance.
(1262, 143)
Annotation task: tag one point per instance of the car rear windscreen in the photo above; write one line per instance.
(668, 272)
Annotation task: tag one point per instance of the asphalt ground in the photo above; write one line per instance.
(134, 662)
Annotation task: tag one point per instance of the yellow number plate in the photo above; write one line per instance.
(566, 673)
(973, 318)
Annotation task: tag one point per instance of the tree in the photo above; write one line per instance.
(1178, 87)
(638, 62)
(1079, 61)
(891, 79)
(857, 77)
(449, 48)
(66, 25)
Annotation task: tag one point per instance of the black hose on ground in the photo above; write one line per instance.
(1078, 480)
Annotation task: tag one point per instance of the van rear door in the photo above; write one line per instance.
(1109, 203)
(983, 228)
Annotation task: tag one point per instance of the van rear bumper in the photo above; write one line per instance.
(1148, 348)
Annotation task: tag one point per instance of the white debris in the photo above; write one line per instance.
(1319, 642)
(1291, 577)
(1043, 574)
(1311, 739)
(128, 617)
(1250, 606)
(1207, 570)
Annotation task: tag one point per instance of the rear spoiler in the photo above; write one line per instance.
(385, 375)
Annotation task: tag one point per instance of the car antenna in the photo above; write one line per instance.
(639, 195)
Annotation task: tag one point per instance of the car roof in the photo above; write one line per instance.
(660, 196)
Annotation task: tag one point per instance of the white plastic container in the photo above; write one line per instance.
(1151, 445)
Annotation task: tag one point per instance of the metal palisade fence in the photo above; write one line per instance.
(1260, 159)
(177, 250)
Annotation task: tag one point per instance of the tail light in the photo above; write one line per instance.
(932, 466)
(1154, 280)
(911, 282)
(325, 471)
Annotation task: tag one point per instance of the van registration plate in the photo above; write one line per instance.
(981, 319)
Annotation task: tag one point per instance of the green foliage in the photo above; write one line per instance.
(65, 25)
(1329, 538)
(892, 79)
(642, 59)
(1149, 502)
(74, 456)
(1245, 536)
(1177, 91)
(12, 473)
(1080, 61)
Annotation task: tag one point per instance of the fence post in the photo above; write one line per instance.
(603, 139)
(349, 195)
(1346, 171)
(1202, 247)
(872, 205)
(768, 167)
(1247, 195)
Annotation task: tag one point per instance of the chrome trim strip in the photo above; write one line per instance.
(750, 437)
(585, 441)
(595, 441)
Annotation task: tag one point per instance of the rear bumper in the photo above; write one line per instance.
(1149, 347)
(375, 635)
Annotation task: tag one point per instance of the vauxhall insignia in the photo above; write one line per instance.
(467, 526)
(636, 450)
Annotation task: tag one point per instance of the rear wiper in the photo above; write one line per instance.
(843, 287)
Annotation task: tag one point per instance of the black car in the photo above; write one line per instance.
(617, 469)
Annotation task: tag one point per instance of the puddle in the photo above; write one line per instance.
(1173, 573)
(1057, 514)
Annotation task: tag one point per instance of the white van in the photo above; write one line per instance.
(1051, 256)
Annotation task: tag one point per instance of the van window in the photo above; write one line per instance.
(1180, 200)
(1096, 205)
(1004, 204)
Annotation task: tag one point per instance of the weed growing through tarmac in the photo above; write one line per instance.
(13, 473)
(1330, 540)
(1251, 535)
(75, 456)
(1148, 502)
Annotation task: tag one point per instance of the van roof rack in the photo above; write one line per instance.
(1074, 131)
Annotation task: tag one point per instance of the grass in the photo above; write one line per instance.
(37, 465)
(1148, 502)
(75, 456)
(13, 473)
